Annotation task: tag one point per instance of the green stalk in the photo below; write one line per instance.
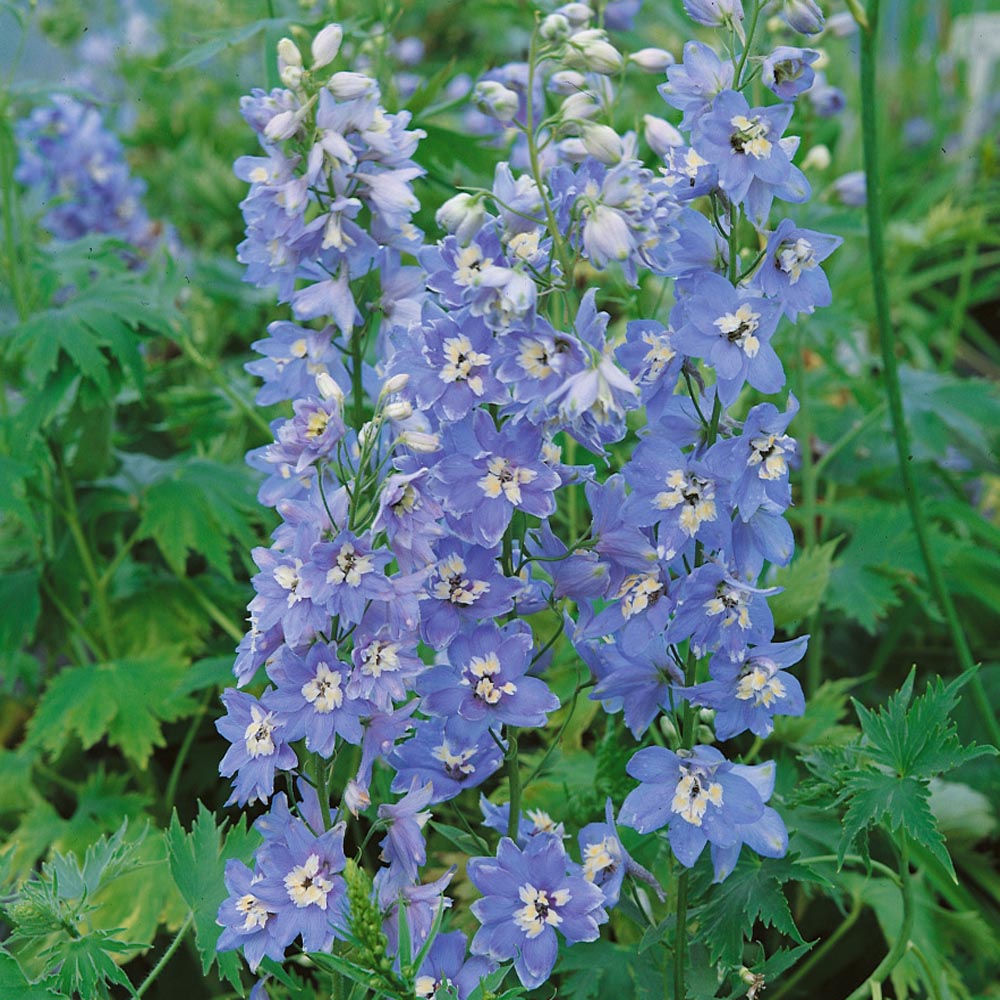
(887, 339)
(514, 782)
(901, 944)
(167, 955)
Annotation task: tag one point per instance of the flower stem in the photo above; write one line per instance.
(167, 955)
(514, 782)
(887, 339)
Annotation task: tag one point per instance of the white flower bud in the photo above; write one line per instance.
(573, 150)
(419, 441)
(578, 14)
(661, 135)
(554, 28)
(591, 52)
(346, 86)
(399, 410)
(603, 143)
(282, 126)
(842, 24)
(496, 100)
(291, 76)
(567, 81)
(579, 105)
(396, 383)
(328, 388)
(668, 729)
(461, 215)
(704, 735)
(367, 432)
(326, 45)
(818, 158)
(288, 53)
(652, 60)
(356, 797)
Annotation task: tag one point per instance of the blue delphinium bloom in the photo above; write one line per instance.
(731, 330)
(302, 884)
(452, 754)
(534, 823)
(447, 965)
(403, 846)
(787, 71)
(653, 362)
(499, 472)
(292, 356)
(693, 84)
(247, 922)
(385, 659)
(747, 146)
(408, 514)
(486, 681)
(257, 749)
(790, 271)
(345, 574)
(717, 611)
(527, 895)
(749, 692)
(312, 700)
(714, 13)
(695, 794)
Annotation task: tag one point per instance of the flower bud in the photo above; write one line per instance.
(347, 86)
(578, 14)
(567, 81)
(579, 105)
(367, 433)
(496, 100)
(661, 135)
(818, 158)
(842, 25)
(326, 45)
(328, 388)
(461, 215)
(356, 797)
(420, 442)
(804, 16)
(555, 28)
(603, 143)
(591, 52)
(398, 410)
(704, 735)
(850, 188)
(573, 150)
(396, 383)
(282, 126)
(652, 60)
(288, 53)
(668, 729)
(291, 76)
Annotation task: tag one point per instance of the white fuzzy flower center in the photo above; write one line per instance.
(759, 682)
(258, 736)
(538, 909)
(692, 797)
(696, 494)
(453, 586)
(460, 359)
(349, 567)
(481, 674)
(750, 137)
(254, 912)
(323, 692)
(306, 886)
(768, 452)
(739, 328)
(794, 258)
(504, 478)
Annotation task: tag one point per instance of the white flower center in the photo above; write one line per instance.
(750, 137)
(258, 736)
(306, 886)
(481, 674)
(456, 764)
(254, 912)
(380, 657)
(638, 592)
(538, 909)
(460, 359)
(769, 454)
(453, 586)
(470, 265)
(505, 478)
(697, 495)
(739, 328)
(759, 682)
(288, 578)
(659, 355)
(600, 858)
(692, 796)
(349, 567)
(732, 603)
(323, 692)
(794, 258)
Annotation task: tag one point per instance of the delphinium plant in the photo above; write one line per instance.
(451, 401)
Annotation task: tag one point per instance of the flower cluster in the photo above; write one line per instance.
(441, 395)
(79, 170)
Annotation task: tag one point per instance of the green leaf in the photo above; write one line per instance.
(198, 863)
(84, 966)
(199, 507)
(14, 983)
(805, 581)
(751, 893)
(105, 860)
(462, 839)
(125, 700)
(221, 40)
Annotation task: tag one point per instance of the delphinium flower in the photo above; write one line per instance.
(527, 896)
(78, 167)
(423, 477)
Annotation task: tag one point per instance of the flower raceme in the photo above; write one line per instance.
(420, 479)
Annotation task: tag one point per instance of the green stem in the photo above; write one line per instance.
(170, 795)
(514, 782)
(213, 610)
(749, 43)
(887, 339)
(898, 950)
(357, 384)
(167, 955)
(14, 271)
(680, 946)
